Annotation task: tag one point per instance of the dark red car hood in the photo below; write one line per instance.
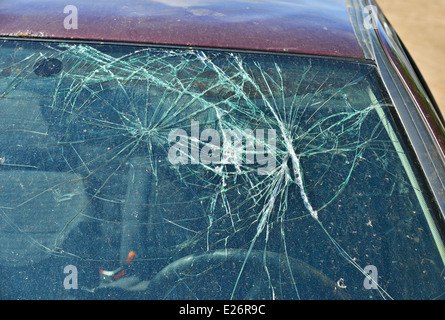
(297, 26)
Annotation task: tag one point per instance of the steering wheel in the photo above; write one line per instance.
(227, 273)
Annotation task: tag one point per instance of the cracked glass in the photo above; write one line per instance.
(130, 172)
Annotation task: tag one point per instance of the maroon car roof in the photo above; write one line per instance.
(296, 26)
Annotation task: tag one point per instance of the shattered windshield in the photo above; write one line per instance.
(129, 172)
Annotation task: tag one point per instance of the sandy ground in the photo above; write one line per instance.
(421, 26)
